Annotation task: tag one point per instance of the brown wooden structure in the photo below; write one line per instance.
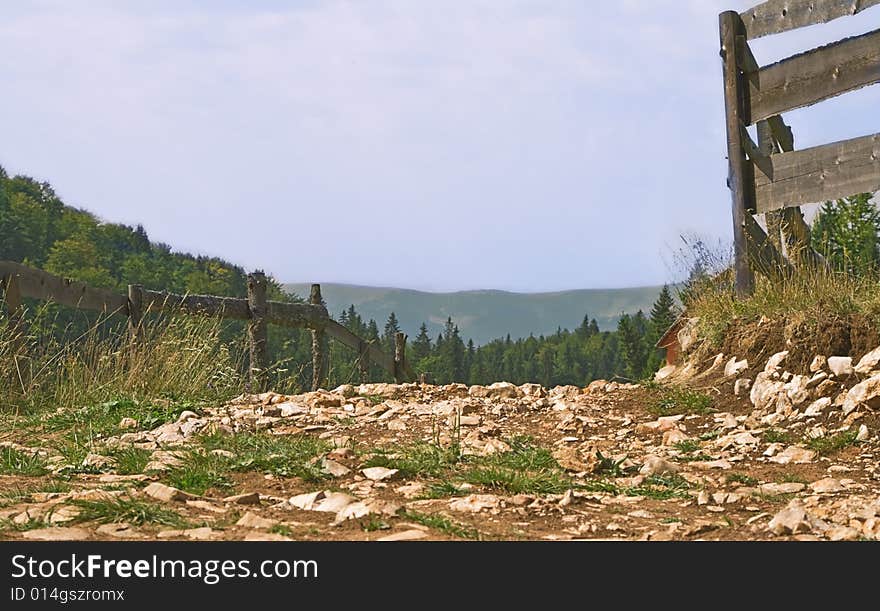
(769, 176)
(19, 281)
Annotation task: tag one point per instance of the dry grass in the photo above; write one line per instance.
(175, 358)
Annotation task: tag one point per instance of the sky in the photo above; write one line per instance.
(506, 144)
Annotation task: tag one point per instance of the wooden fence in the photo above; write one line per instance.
(19, 281)
(770, 177)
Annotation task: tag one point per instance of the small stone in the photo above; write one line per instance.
(128, 423)
(405, 535)
(654, 465)
(118, 531)
(336, 469)
(775, 361)
(165, 493)
(840, 366)
(674, 436)
(784, 488)
(734, 367)
(96, 460)
(252, 520)
(204, 533)
(826, 485)
(818, 363)
(306, 501)
(741, 386)
(475, 503)
(795, 455)
(378, 473)
(866, 393)
(817, 407)
(790, 521)
(57, 533)
(248, 498)
(334, 502)
(863, 433)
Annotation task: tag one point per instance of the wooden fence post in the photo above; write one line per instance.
(135, 310)
(364, 361)
(319, 365)
(257, 330)
(399, 357)
(12, 296)
(731, 26)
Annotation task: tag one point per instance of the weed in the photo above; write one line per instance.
(125, 509)
(741, 478)
(687, 446)
(15, 462)
(677, 400)
(443, 524)
(833, 443)
(282, 455)
(131, 460)
(776, 436)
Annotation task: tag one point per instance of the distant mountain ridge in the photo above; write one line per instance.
(484, 315)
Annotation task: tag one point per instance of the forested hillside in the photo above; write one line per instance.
(38, 229)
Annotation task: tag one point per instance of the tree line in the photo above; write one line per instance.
(38, 229)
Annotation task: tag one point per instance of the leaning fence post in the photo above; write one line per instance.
(364, 361)
(319, 366)
(257, 330)
(135, 310)
(731, 26)
(399, 357)
(12, 295)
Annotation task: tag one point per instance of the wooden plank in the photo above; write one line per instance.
(761, 160)
(730, 26)
(135, 310)
(204, 305)
(37, 284)
(344, 336)
(814, 76)
(777, 16)
(746, 61)
(298, 315)
(819, 174)
(782, 133)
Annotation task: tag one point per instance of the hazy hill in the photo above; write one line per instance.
(486, 315)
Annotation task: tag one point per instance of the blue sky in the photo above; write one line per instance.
(437, 145)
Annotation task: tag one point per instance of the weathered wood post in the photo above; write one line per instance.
(135, 310)
(258, 336)
(399, 357)
(12, 296)
(319, 365)
(364, 361)
(731, 26)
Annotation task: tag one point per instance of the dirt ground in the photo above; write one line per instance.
(406, 462)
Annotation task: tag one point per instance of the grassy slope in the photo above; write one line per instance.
(487, 315)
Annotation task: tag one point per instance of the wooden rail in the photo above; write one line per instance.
(19, 282)
(769, 177)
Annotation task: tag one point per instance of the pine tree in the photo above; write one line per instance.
(421, 346)
(663, 313)
(392, 328)
(846, 233)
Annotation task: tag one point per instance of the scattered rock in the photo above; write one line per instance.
(248, 498)
(795, 455)
(741, 386)
(827, 485)
(405, 535)
(252, 520)
(333, 468)
(378, 473)
(840, 366)
(57, 533)
(475, 503)
(735, 367)
(790, 521)
(654, 465)
(165, 493)
(869, 362)
(865, 393)
(818, 363)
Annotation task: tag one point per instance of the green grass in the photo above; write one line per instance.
(131, 460)
(776, 436)
(741, 478)
(18, 493)
(661, 488)
(126, 509)
(200, 472)
(609, 466)
(373, 523)
(281, 455)
(15, 462)
(833, 443)
(282, 529)
(443, 524)
(441, 490)
(417, 460)
(687, 446)
(676, 400)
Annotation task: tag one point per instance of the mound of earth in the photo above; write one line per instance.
(706, 454)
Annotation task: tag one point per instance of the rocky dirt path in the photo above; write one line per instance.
(726, 452)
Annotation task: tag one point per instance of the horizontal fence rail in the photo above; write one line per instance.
(19, 282)
(768, 176)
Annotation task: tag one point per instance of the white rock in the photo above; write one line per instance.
(866, 393)
(166, 493)
(252, 520)
(654, 465)
(292, 409)
(306, 501)
(863, 433)
(475, 503)
(869, 362)
(790, 521)
(775, 361)
(673, 437)
(742, 386)
(734, 367)
(765, 390)
(378, 473)
(826, 485)
(665, 373)
(58, 533)
(840, 366)
(405, 535)
(336, 469)
(248, 498)
(794, 455)
(784, 488)
(817, 407)
(334, 502)
(818, 363)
